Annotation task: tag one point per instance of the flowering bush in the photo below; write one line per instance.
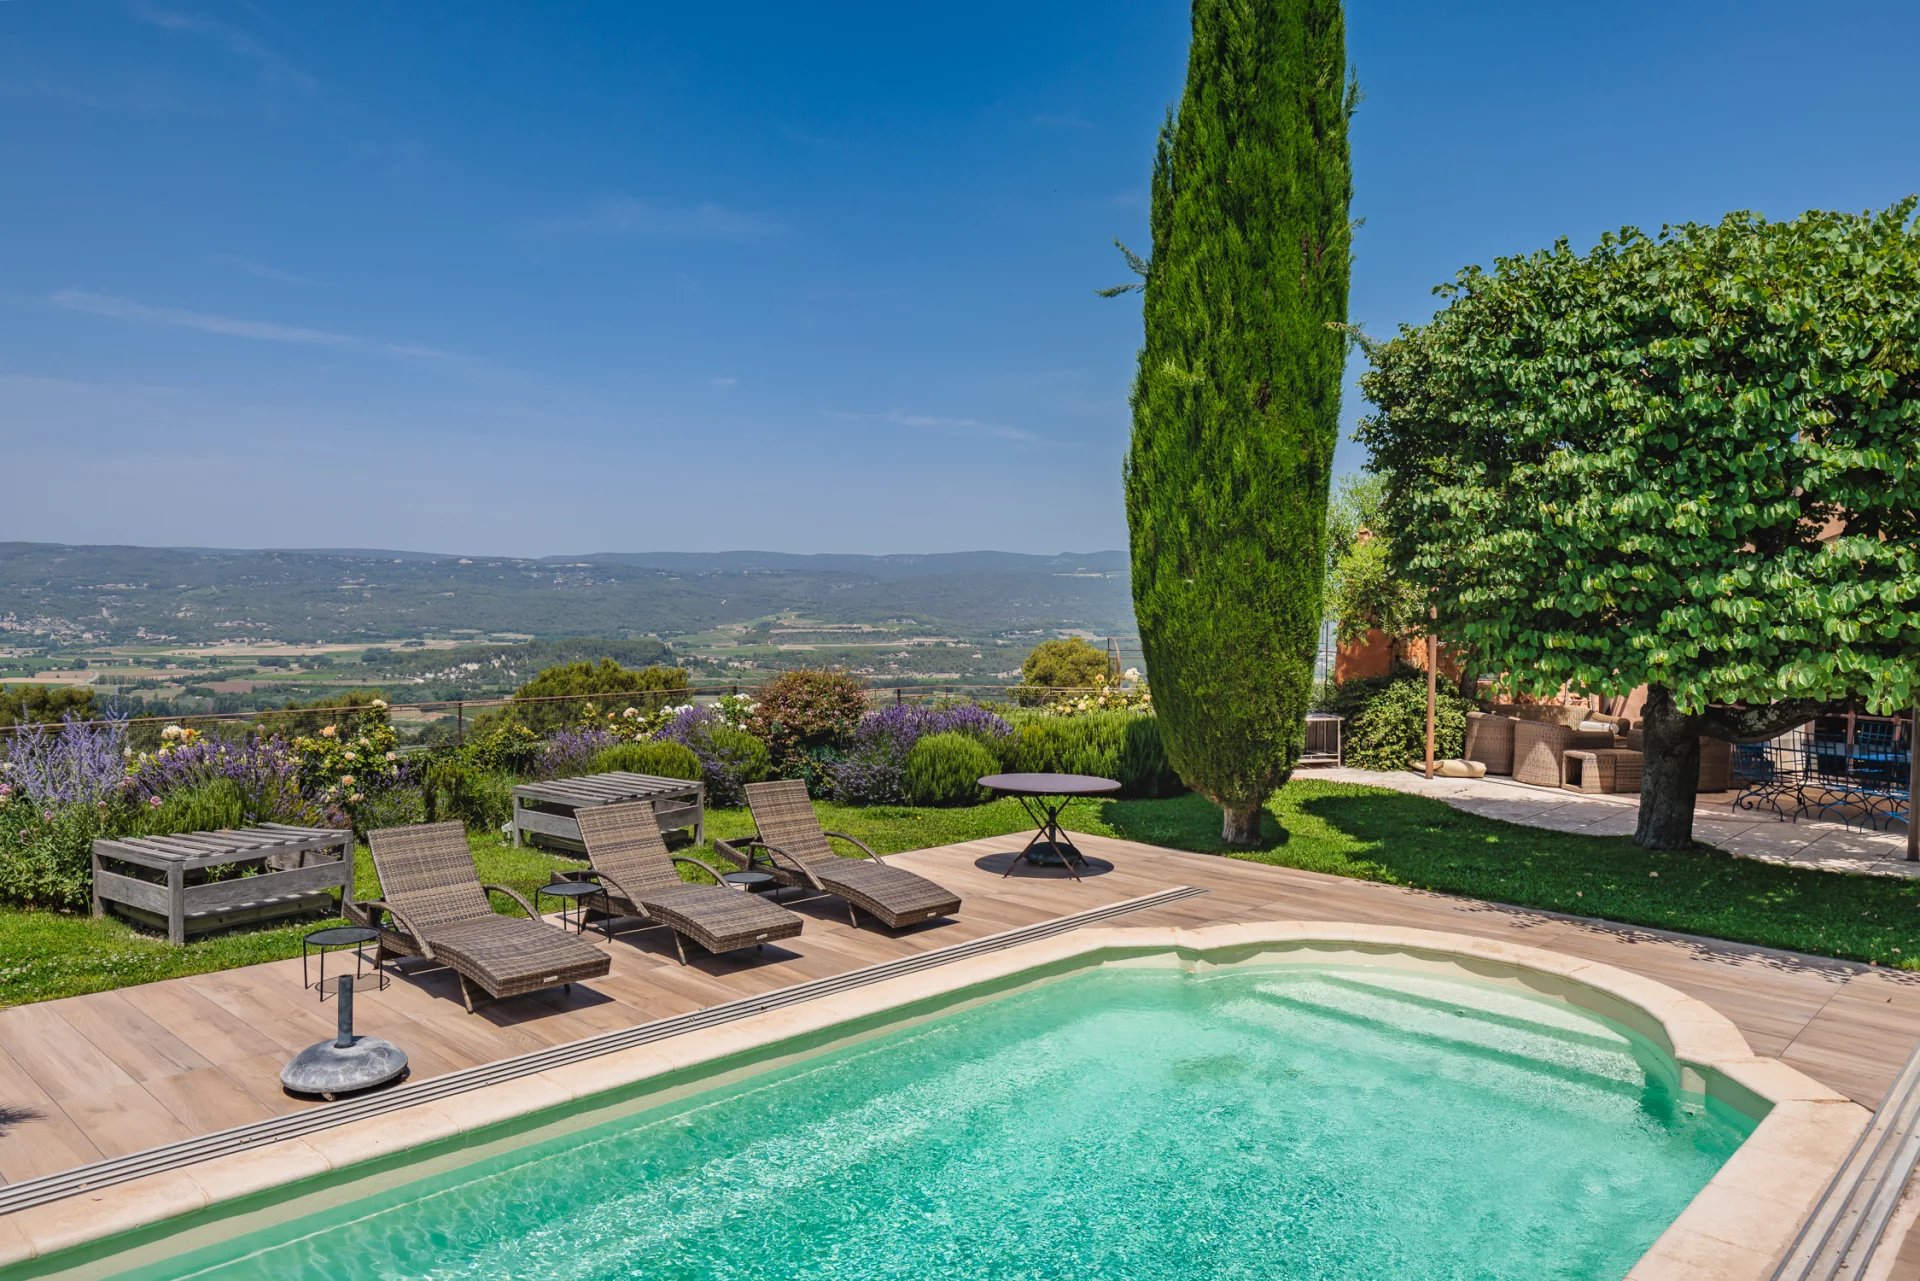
(628, 723)
(338, 771)
(729, 758)
(1130, 695)
(804, 716)
(873, 771)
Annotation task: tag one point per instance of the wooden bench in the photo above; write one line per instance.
(283, 871)
(543, 812)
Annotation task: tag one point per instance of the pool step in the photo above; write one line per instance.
(1514, 1010)
(1847, 1229)
(1541, 1049)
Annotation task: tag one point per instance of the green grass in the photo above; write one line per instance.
(1337, 828)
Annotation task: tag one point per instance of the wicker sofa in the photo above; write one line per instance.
(1490, 741)
(1540, 748)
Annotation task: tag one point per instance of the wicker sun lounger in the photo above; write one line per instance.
(631, 861)
(791, 844)
(439, 911)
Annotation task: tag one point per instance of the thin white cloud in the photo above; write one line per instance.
(727, 381)
(140, 313)
(630, 216)
(265, 272)
(231, 38)
(131, 312)
(942, 423)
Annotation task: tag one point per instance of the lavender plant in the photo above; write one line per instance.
(873, 771)
(567, 751)
(264, 770)
(79, 763)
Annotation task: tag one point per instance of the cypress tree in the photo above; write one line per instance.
(1236, 404)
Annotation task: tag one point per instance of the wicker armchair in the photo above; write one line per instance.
(433, 905)
(1539, 749)
(1490, 741)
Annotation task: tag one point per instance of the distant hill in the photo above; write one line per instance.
(63, 595)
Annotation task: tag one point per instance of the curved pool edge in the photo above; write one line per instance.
(1734, 1229)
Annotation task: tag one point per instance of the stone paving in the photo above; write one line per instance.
(1751, 834)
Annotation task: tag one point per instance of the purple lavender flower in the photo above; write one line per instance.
(567, 751)
(80, 762)
(266, 771)
(874, 769)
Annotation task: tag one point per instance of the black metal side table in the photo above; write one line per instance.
(340, 938)
(573, 896)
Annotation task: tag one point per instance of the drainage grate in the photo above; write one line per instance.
(1845, 1230)
(173, 1156)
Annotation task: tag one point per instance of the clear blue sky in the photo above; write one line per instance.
(560, 277)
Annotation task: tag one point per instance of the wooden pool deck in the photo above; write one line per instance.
(104, 1075)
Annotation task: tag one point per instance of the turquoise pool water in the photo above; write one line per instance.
(1274, 1122)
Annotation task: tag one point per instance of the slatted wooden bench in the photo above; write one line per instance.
(282, 871)
(543, 812)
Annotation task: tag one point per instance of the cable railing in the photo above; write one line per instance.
(457, 710)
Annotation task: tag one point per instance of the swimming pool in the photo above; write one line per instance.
(1249, 1121)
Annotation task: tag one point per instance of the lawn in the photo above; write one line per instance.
(1337, 828)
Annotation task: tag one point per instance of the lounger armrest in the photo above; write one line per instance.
(600, 878)
(532, 911)
(739, 853)
(708, 868)
(373, 907)
(780, 858)
(854, 840)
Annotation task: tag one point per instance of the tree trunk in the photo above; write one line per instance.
(1240, 827)
(1671, 751)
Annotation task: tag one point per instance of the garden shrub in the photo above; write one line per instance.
(1124, 746)
(1070, 663)
(658, 758)
(46, 850)
(946, 768)
(804, 717)
(646, 688)
(873, 771)
(1144, 767)
(729, 758)
(455, 790)
(202, 807)
(1389, 729)
(503, 746)
(1068, 745)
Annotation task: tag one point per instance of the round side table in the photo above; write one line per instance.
(573, 896)
(751, 882)
(340, 938)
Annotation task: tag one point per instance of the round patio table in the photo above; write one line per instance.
(1044, 796)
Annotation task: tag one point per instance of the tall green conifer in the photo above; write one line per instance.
(1237, 402)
